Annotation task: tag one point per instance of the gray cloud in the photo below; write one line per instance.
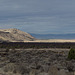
(38, 16)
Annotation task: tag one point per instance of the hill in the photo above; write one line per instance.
(15, 35)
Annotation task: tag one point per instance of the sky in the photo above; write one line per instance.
(38, 16)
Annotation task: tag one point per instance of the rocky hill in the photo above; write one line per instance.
(14, 35)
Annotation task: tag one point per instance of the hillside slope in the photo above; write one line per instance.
(15, 35)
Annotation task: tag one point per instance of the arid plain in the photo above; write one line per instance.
(22, 54)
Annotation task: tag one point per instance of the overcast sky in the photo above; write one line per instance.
(38, 16)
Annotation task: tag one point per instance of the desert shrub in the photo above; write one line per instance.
(71, 54)
(70, 68)
(7, 50)
(9, 67)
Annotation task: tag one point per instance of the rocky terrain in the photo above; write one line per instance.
(14, 35)
(36, 62)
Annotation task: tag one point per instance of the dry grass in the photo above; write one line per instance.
(9, 69)
(54, 40)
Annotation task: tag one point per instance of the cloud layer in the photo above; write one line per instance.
(38, 16)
